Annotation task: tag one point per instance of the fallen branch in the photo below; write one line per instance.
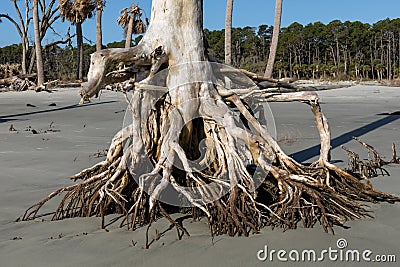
(369, 168)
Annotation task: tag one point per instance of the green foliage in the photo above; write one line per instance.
(338, 50)
(11, 54)
(215, 43)
(119, 44)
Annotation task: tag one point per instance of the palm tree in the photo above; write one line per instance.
(275, 39)
(131, 21)
(76, 12)
(38, 45)
(228, 32)
(99, 32)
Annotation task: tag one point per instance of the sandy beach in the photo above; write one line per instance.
(68, 137)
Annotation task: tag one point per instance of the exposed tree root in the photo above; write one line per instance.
(291, 192)
(194, 144)
(369, 168)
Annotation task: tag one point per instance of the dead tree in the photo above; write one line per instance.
(369, 168)
(48, 16)
(19, 83)
(194, 109)
(22, 27)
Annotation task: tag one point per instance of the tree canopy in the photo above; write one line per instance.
(334, 50)
(337, 50)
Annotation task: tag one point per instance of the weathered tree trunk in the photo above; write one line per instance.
(79, 61)
(48, 17)
(20, 83)
(24, 37)
(181, 105)
(25, 49)
(275, 38)
(228, 32)
(38, 45)
(32, 60)
(99, 31)
(129, 31)
(22, 29)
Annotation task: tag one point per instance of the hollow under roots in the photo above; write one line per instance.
(291, 193)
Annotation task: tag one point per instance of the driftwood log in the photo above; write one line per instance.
(179, 106)
(286, 86)
(19, 82)
(27, 82)
(373, 166)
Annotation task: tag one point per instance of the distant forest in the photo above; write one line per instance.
(338, 50)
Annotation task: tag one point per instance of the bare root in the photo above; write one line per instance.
(290, 192)
(369, 168)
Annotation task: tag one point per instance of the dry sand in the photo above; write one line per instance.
(32, 165)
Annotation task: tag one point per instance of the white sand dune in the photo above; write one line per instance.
(32, 165)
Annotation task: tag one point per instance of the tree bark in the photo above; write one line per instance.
(129, 31)
(24, 37)
(79, 40)
(22, 29)
(25, 49)
(275, 38)
(228, 32)
(99, 30)
(48, 17)
(38, 46)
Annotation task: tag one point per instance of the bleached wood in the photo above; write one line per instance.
(164, 131)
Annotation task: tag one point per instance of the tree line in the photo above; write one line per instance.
(43, 15)
(59, 61)
(337, 50)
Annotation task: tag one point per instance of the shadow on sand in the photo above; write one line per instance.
(7, 118)
(311, 152)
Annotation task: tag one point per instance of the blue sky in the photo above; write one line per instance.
(246, 13)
